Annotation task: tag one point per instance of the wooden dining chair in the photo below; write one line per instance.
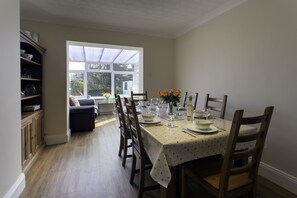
(220, 177)
(186, 97)
(139, 96)
(138, 150)
(217, 106)
(125, 135)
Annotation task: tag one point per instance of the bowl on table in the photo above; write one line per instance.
(148, 117)
(198, 113)
(201, 114)
(203, 124)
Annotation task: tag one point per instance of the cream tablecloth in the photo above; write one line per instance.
(171, 147)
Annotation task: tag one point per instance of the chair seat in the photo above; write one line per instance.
(235, 181)
(209, 169)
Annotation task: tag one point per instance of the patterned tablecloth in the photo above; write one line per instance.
(171, 147)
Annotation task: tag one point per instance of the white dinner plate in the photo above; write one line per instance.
(212, 129)
(141, 121)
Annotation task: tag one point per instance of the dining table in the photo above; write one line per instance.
(169, 147)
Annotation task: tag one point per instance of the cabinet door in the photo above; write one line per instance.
(38, 124)
(27, 128)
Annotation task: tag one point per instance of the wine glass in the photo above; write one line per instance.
(207, 113)
(179, 107)
(148, 106)
(155, 105)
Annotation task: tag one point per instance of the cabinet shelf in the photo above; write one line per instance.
(29, 97)
(28, 61)
(31, 84)
(31, 79)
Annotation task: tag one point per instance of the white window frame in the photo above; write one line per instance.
(138, 70)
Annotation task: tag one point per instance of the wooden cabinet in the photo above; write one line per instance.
(32, 137)
(31, 95)
(31, 72)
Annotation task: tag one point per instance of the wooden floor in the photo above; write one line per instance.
(89, 167)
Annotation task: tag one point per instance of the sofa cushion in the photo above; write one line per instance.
(73, 101)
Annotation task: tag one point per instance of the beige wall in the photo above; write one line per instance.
(158, 62)
(250, 54)
(10, 116)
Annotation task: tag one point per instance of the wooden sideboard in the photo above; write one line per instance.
(32, 137)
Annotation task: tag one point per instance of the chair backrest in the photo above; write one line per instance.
(195, 99)
(135, 131)
(139, 96)
(120, 112)
(216, 105)
(253, 154)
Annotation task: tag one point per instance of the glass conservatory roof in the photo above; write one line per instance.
(79, 53)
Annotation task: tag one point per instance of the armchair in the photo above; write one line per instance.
(82, 117)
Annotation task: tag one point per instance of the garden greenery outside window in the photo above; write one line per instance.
(95, 69)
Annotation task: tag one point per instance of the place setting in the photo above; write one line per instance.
(202, 127)
(148, 119)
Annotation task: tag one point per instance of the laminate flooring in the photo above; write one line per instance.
(89, 167)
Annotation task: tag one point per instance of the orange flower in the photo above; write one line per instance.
(164, 92)
(176, 92)
(172, 95)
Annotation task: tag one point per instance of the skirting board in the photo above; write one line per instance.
(57, 139)
(278, 177)
(17, 188)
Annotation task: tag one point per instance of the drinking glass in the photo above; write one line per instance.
(171, 116)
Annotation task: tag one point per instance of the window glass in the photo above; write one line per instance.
(76, 66)
(123, 67)
(99, 83)
(76, 84)
(98, 66)
(123, 84)
(96, 69)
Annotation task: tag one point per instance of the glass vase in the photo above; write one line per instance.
(170, 108)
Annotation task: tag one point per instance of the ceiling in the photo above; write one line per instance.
(164, 18)
(78, 53)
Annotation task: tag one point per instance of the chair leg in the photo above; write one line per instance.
(133, 168)
(142, 178)
(125, 148)
(121, 145)
(184, 183)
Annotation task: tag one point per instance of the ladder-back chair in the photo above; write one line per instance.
(221, 177)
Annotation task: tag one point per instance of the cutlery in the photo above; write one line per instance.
(222, 129)
(151, 125)
(188, 133)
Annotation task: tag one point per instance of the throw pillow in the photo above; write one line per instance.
(73, 101)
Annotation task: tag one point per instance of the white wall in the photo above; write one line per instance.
(12, 179)
(250, 54)
(158, 61)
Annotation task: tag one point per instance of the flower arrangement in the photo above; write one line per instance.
(171, 96)
(106, 95)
